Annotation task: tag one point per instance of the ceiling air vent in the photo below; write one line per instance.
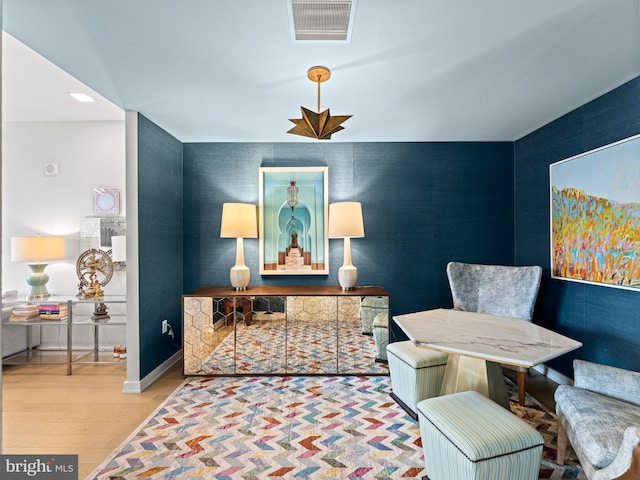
(321, 20)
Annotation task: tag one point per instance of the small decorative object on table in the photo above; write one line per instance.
(53, 311)
(94, 269)
(24, 312)
(100, 312)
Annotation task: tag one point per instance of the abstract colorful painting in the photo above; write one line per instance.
(595, 216)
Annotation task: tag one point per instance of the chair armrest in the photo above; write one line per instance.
(610, 381)
(622, 461)
(381, 321)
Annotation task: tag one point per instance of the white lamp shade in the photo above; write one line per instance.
(239, 220)
(345, 220)
(37, 249)
(119, 248)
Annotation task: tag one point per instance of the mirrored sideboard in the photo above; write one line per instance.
(301, 330)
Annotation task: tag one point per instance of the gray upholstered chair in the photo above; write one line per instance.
(417, 373)
(374, 314)
(370, 307)
(600, 415)
(497, 290)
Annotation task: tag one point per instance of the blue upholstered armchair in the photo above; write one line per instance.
(496, 290)
(600, 415)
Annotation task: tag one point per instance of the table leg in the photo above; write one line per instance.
(69, 338)
(29, 347)
(467, 373)
(96, 343)
(522, 377)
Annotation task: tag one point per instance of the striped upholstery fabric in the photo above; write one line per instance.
(380, 331)
(468, 436)
(416, 373)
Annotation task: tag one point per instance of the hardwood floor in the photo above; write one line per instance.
(45, 411)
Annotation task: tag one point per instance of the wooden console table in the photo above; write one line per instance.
(288, 291)
(267, 330)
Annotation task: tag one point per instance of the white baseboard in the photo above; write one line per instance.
(140, 385)
(554, 375)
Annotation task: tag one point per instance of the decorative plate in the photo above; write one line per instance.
(106, 201)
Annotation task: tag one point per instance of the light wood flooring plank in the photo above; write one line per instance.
(44, 411)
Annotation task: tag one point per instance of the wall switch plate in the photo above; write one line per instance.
(165, 326)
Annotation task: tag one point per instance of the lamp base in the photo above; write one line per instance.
(348, 277)
(37, 280)
(240, 276)
(37, 297)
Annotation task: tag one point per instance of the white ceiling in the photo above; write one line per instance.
(227, 70)
(34, 89)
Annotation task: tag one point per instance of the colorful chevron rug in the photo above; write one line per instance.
(292, 428)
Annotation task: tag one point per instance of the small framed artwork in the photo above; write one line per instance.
(293, 221)
(96, 232)
(595, 216)
(106, 201)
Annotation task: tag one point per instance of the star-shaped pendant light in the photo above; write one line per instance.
(319, 125)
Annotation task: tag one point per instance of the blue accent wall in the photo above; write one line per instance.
(424, 204)
(160, 184)
(605, 319)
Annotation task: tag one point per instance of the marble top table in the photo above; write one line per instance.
(478, 343)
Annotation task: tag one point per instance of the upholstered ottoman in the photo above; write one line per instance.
(416, 373)
(381, 336)
(466, 436)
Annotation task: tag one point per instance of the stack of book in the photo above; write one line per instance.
(24, 312)
(53, 311)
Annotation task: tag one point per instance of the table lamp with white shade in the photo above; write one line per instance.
(239, 221)
(37, 250)
(345, 221)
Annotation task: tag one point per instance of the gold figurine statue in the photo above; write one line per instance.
(94, 269)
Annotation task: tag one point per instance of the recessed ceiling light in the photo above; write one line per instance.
(81, 97)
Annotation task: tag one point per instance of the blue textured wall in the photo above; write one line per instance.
(160, 186)
(605, 319)
(424, 204)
